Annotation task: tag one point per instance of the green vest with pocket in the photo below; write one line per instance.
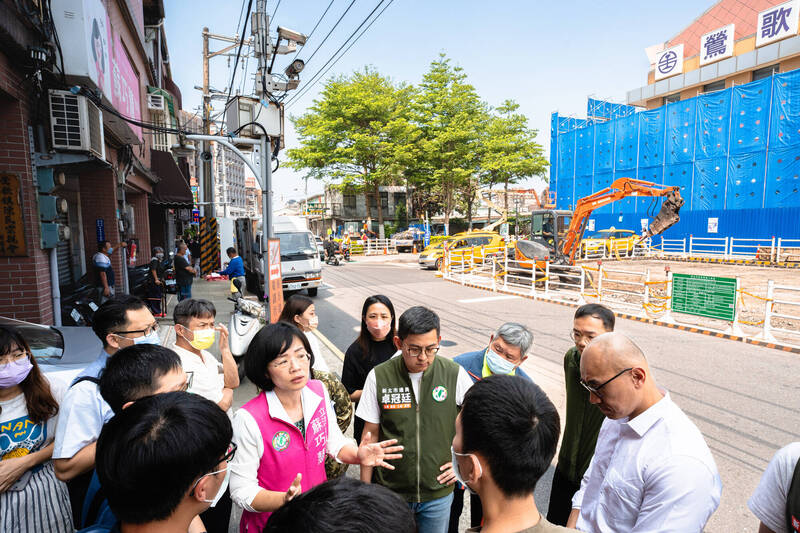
(425, 427)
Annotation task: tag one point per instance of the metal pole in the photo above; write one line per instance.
(54, 286)
(208, 180)
(266, 210)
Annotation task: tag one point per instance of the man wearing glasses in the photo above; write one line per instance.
(414, 397)
(152, 484)
(120, 322)
(583, 419)
(652, 469)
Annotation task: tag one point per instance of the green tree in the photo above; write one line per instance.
(357, 132)
(510, 151)
(447, 112)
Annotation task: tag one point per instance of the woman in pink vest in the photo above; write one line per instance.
(284, 433)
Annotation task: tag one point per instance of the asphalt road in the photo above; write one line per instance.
(742, 397)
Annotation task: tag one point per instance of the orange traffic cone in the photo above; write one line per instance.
(385, 251)
(415, 249)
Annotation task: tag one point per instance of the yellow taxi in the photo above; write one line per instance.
(609, 242)
(474, 244)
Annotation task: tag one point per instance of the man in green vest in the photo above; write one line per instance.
(414, 398)
(583, 419)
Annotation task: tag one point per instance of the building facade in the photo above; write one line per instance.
(229, 182)
(77, 150)
(721, 121)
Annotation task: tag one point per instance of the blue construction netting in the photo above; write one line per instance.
(604, 110)
(735, 149)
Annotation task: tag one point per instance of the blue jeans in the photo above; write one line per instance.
(184, 292)
(432, 516)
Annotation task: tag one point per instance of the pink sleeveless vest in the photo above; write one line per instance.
(286, 453)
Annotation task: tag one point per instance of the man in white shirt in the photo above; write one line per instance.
(652, 469)
(195, 333)
(772, 502)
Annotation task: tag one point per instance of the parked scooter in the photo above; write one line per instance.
(246, 320)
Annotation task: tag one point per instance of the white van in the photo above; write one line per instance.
(301, 267)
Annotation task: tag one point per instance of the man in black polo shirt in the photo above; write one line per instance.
(184, 273)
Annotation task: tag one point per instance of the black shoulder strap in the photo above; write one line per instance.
(93, 379)
(793, 502)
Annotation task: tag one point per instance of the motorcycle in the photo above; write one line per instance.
(246, 320)
(334, 258)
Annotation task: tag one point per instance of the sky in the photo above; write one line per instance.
(548, 56)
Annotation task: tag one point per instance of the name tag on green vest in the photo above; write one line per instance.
(396, 398)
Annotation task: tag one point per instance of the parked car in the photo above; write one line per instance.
(476, 244)
(614, 241)
(431, 256)
(61, 351)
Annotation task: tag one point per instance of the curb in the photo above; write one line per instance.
(691, 329)
(328, 344)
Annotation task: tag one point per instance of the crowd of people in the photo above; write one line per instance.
(146, 437)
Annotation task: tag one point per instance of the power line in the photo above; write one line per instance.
(307, 61)
(276, 10)
(318, 76)
(315, 28)
(238, 53)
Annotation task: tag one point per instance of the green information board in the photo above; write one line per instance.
(707, 296)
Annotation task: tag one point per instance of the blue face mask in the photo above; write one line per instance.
(497, 364)
(153, 338)
(110, 251)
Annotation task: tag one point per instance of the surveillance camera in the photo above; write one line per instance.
(205, 156)
(291, 35)
(294, 68)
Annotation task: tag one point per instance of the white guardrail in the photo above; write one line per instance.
(771, 250)
(761, 312)
(379, 246)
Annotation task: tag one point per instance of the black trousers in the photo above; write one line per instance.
(561, 494)
(216, 518)
(475, 509)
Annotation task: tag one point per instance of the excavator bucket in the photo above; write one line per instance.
(667, 217)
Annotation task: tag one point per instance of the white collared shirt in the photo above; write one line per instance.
(206, 374)
(652, 473)
(247, 436)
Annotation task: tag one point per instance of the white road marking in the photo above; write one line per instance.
(488, 299)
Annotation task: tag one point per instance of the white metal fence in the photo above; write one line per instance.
(632, 290)
(772, 249)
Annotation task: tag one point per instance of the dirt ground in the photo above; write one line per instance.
(753, 283)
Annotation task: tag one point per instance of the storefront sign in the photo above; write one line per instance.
(669, 62)
(100, 226)
(195, 216)
(716, 45)
(12, 232)
(707, 296)
(777, 22)
(125, 85)
(275, 281)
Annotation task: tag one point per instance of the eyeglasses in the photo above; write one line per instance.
(416, 351)
(283, 363)
(596, 390)
(227, 458)
(145, 332)
(12, 357)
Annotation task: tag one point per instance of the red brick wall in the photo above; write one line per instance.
(142, 218)
(99, 200)
(24, 281)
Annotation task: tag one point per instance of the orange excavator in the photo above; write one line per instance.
(556, 234)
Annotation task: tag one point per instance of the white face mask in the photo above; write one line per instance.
(457, 472)
(222, 488)
(313, 322)
(498, 364)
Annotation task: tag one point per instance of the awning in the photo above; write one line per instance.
(173, 188)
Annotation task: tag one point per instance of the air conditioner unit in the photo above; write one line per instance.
(76, 124)
(156, 103)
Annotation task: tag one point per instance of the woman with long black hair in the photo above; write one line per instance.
(31, 498)
(373, 346)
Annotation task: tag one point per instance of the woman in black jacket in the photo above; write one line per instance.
(375, 344)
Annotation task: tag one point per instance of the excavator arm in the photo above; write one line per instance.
(622, 188)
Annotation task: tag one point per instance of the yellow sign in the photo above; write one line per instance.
(12, 232)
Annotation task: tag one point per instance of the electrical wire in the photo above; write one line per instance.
(307, 61)
(238, 54)
(318, 76)
(315, 28)
(276, 10)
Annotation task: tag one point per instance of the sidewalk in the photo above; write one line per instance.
(389, 258)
